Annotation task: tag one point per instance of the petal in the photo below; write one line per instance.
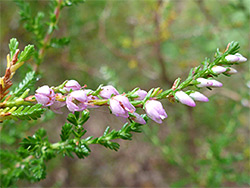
(218, 69)
(41, 99)
(79, 95)
(138, 119)
(117, 109)
(204, 82)
(199, 97)
(232, 58)
(72, 85)
(141, 94)
(216, 83)
(45, 90)
(107, 91)
(185, 99)
(72, 106)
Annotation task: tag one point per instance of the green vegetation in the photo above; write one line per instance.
(128, 44)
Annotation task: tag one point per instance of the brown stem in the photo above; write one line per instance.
(6, 82)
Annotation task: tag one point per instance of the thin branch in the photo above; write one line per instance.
(48, 36)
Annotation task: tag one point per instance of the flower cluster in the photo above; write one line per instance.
(188, 99)
(77, 98)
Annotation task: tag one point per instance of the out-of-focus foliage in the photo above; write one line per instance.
(145, 44)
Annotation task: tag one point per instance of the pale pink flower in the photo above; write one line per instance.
(155, 111)
(76, 101)
(218, 69)
(72, 85)
(120, 106)
(107, 91)
(197, 96)
(141, 94)
(184, 98)
(45, 96)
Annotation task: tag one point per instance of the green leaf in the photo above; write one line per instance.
(34, 142)
(29, 80)
(25, 13)
(28, 113)
(84, 118)
(66, 131)
(59, 43)
(38, 169)
(13, 46)
(233, 48)
(26, 53)
(72, 119)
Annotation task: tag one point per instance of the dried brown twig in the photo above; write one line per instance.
(5, 81)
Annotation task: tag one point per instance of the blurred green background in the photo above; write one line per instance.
(147, 44)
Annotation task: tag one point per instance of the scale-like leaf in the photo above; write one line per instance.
(29, 112)
(13, 46)
(27, 82)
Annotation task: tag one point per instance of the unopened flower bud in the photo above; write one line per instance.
(232, 58)
(231, 71)
(197, 96)
(138, 119)
(155, 111)
(241, 58)
(120, 106)
(45, 96)
(72, 85)
(216, 83)
(76, 101)
(204, 82)
(184, 98)
(218, 69)
(107, 91)
(141, 94)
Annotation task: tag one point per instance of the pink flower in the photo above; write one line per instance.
(207, 83)
(231, 71)
(204, 82)
(197, 96)
(184, 98)
(107, 91)
(138, 118)
(56, 107)
(216, 83)
(232, 58)
(218, 69)
(45, 96)
(120, 106)
(72, 85)
(141, 94)
(241, 58)
(155, 111)
(76, 101)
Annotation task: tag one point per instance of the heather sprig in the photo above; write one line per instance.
(78, 98)
(126, 103)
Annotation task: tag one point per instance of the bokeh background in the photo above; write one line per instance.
(147, 43)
